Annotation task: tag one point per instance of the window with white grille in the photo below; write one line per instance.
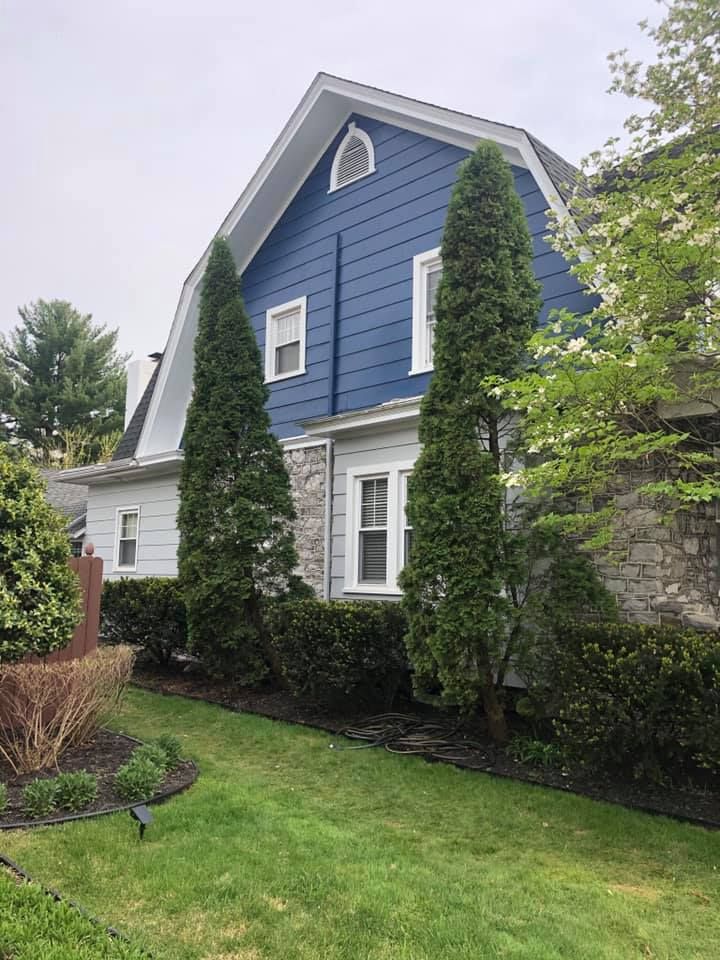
(377, 532)
(354, 158)
(427, 273)
(127, 529)
(285, 340)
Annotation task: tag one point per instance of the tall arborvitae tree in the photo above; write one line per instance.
(456, 585)
(236, 540)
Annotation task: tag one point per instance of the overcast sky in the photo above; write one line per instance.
(130, 127)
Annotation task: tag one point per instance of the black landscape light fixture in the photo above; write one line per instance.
(143, 817)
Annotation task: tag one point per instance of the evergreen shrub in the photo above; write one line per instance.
(39, 593)
(349, 652)
(145, 611)
(636, 699)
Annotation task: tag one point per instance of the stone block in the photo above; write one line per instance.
(634, 605)
(615, 584)
(626, 500)
(630, 569)
(663, 605)
(644, 552)
(699, 621)
(646, 588)
(649, 570)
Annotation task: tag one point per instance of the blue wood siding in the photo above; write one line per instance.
(350, 252)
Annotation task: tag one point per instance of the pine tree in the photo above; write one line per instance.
(236, 540)
(456, 585)
(60, 372)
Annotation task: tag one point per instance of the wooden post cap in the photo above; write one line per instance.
(89, 549)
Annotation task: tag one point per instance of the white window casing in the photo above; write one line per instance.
(376, 528)
(354, 159)
(127, 535)
(427, 271)
(285, 334)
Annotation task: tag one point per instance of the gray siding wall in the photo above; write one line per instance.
(378, 448)
(158, 536)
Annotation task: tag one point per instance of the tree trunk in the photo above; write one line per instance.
(497, 724)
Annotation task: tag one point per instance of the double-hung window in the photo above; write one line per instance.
(427, 272)
(377, 532)
(127, 529)
(285, 340)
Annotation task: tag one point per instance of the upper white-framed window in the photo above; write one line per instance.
(354, 158)
(285, 329)
(427, 272)
(376, 531)
(127, 531)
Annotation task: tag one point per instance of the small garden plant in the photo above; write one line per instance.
(152, 752)
(138, 779)
(172, 747)
(3, 797)
(76, 791)
(39, 798)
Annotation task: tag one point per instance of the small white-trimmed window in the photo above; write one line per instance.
(127, 528)
(377, 533)
(427, 272)
(354, 159)
(285, 328)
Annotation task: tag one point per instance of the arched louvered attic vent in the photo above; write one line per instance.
(355, 158)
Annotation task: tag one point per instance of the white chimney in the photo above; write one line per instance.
(138, 376)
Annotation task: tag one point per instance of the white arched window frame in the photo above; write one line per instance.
(354, 159)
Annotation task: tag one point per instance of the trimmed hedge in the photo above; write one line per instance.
(638, 699)
(147, 611)
(340, 652)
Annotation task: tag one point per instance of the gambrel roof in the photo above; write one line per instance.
(156, 428)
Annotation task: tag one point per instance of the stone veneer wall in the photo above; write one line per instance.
(665, 573)
(306, 467)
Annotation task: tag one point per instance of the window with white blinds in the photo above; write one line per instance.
(354, 158)
(377, 535)
(373, 530)
(127, 528)
(285, 340)
(427, 273)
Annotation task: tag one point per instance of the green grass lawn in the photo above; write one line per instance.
(285, 850)
(35, 927)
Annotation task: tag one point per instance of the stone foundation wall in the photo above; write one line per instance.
(306, 467)
(663, 573)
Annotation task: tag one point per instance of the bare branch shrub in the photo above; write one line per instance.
(45, 708)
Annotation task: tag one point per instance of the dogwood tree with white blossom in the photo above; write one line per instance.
(636, 381)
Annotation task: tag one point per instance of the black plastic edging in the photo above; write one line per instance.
(639, 807)
(58, 898)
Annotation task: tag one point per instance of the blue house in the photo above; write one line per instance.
(337, 238)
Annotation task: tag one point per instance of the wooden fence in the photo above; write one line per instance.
(89, 569)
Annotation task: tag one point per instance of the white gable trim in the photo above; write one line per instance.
(312, 127)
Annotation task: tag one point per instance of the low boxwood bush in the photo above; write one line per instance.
(638, 699)
(75, 791)
(335, 651)
(39, 798)
(138, 779)
(145, 611)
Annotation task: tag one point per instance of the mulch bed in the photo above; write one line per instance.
(102, 756)
(474, 750)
